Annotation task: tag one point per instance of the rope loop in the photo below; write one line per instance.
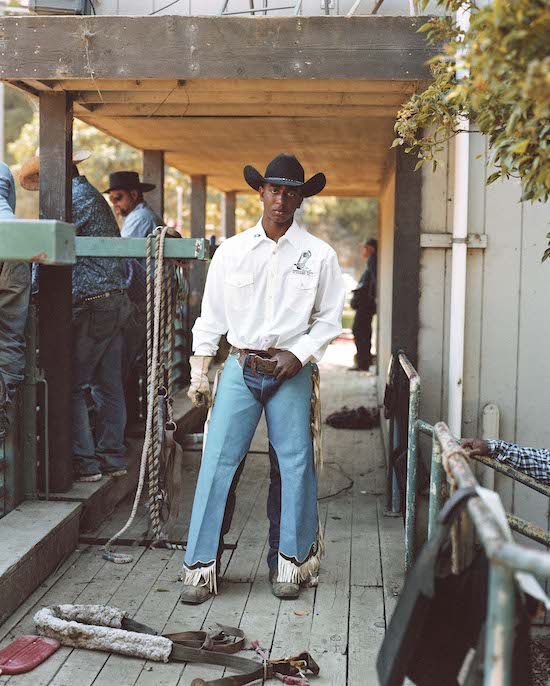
(161, 305)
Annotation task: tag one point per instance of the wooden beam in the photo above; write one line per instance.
(241, 110)
(55, 292)
(406, 252)
(197, 275)
(198, 206)
(228, 218)
(239, 97)
(181, 47)
(195, 87)
(153, 172)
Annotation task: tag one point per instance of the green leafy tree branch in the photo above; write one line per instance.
(496, 74)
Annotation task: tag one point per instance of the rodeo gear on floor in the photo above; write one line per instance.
(358, 418)
(100, 627)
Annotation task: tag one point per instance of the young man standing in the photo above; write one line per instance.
(278, 294)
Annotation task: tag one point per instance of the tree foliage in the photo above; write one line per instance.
(496, 74)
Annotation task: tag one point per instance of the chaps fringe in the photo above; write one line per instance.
(202, 576)
(290, 573)
(315, 420)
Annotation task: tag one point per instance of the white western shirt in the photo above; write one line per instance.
(287, 295)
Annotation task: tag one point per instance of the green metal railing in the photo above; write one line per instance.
(505, 557)
(24, 451)
(438, 482)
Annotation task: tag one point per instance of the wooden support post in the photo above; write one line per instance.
(229, 207)
(198, 228)
(153, 172)
(406, 256)
(55, 296)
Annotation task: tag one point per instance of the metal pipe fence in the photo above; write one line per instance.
(24, 453)
(438, 482)
(505, 556)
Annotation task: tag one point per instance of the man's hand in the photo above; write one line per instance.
(288, 365)
(477, 446)
(199, 389)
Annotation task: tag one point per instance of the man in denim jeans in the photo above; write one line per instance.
(100, 310)
(15, 284)
(278, 294)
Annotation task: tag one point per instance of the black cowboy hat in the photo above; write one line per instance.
(285, 170)
(127, 181)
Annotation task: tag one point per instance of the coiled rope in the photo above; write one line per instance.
(160, 356)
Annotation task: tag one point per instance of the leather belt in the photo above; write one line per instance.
(257, 360)
(102, 296)
(215, 647)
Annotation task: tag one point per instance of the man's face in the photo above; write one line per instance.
(367, 251)
(123, 202)
(280, 202)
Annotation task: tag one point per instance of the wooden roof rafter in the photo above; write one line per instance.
(229, 91)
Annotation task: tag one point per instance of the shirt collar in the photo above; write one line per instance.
(141, 205)
(293, 235)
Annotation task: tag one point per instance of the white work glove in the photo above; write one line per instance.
(199, 390)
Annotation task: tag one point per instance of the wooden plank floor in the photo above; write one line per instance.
(341, 622)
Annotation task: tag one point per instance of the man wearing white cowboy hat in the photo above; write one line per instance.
(277, 293)
(100, 310)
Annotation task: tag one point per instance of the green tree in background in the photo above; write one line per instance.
(496, 73)
(18, 111)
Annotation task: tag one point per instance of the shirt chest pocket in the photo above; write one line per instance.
(300, 292)
(239, 289)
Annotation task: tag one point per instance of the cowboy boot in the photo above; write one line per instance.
(283, 589)
(195, 595)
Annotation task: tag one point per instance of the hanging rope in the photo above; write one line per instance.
(160, 354)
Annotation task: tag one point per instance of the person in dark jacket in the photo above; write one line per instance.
(364, 304)
(100, 311)
(15, 285)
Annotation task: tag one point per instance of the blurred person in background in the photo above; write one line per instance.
(364, 304)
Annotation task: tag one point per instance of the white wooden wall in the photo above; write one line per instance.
(507, 316)
(208, 7)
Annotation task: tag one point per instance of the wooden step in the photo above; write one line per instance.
(34, 539)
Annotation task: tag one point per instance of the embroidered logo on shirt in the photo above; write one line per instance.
(300, 266)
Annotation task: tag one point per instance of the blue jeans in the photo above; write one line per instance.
(273, 509)
(240, 401)
(97, 363)
(15, 287)
(262, 387)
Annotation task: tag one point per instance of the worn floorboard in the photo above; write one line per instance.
(341, 621)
